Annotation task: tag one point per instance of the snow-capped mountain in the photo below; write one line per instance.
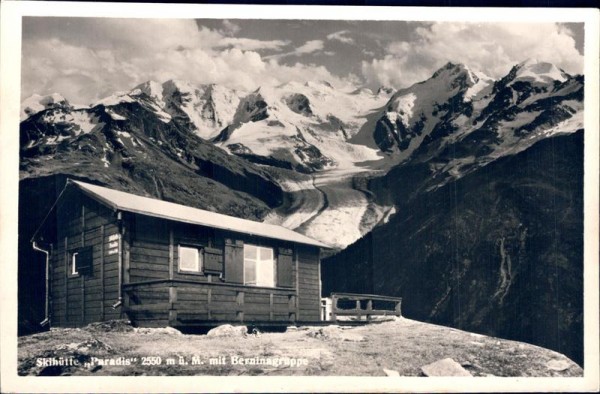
(536, 72)
(297, 126)
(37, 103)
(459, 120)
(456, 122)
(126, 140)
(301, 126)
(487, 190)
(203, 109)
(413, 113)
(209, 108)
(313, 127)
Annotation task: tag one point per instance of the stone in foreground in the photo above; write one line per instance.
(391, 372)
(445, 367)
(227, 330)
(558, 365)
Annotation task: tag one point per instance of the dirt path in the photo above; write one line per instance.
(402, 345)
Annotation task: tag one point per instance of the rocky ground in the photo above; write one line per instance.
(399, 347)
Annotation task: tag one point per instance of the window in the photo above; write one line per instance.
(259, 266)
(190, 259)
(80, 261)
(73, 263)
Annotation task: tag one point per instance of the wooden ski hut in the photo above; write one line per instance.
(112, 254)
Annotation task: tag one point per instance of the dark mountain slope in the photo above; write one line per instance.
(128, 145)
(499, 251)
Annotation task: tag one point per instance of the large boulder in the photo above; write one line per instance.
(227, 330)
(445, 367)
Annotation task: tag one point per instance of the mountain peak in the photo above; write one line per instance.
(114, 99)
(528, 62)
(37, 103)
(533, 70)
(177, 85)
(150, 88)
(449, 67)
(453, 72)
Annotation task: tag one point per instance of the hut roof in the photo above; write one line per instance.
(128, 202)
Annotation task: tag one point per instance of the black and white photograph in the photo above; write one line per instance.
(302, 199)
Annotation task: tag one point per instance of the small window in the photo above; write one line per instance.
(190, 259)
(73, 262)
(80, 261)
(259, 266)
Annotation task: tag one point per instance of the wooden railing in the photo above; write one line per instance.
(368, 311)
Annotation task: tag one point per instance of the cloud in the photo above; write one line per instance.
(309, 47)
(488, 47)
(341, 36)
(306, 48)
(368, 52)
(230, 28)
(88, 59)
(249, 44)
(50, 66)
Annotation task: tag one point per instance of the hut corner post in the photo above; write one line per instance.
(120, 260)
(47, 304)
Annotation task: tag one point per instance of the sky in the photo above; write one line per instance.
(86, 59)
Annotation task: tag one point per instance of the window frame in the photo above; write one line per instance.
(72, 263)
(199, 256)
(75, 266)
(257, 269)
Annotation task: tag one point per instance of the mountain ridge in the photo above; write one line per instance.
(457, 121)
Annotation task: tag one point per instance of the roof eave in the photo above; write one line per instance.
(166, 217)
(117, 207)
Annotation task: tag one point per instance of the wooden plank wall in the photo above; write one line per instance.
(154, 256)
(150, 253)
(148, 305)
(154, 248)
(149, 249)
(179, 304)
(232, 303)
(78, 300)
(309, 297)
